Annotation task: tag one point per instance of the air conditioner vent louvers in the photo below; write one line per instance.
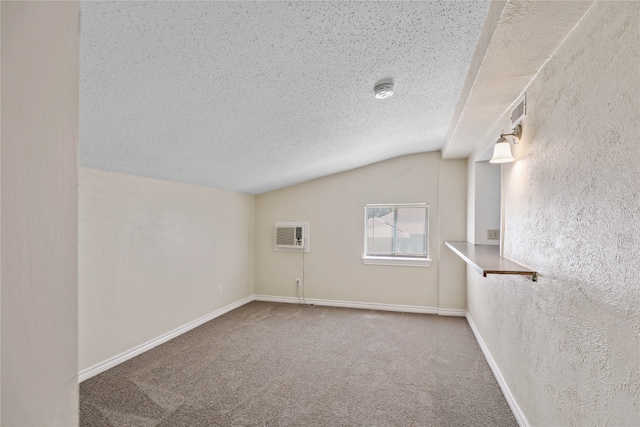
(519, 112)
(285, 236)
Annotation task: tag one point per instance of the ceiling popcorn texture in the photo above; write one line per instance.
(255, 96)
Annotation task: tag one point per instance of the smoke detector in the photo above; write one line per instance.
(383, 90)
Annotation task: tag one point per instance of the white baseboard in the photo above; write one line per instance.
(364, 305)
(517, 412)
(452, 312)
(129, 354)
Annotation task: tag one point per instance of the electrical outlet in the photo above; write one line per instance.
(298, 282)
(493, 234)
(220, 291)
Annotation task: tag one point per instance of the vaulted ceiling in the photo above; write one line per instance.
(254, 96)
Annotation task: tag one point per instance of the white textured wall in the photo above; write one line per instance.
(39, 213)
(334, 206)
(569, 345)
(152, 255)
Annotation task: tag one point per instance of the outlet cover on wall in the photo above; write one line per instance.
(493, 234)
(220, 291)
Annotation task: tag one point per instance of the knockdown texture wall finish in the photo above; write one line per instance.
(152, 257)
(568, 346)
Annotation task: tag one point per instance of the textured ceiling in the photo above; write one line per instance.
(254, 96)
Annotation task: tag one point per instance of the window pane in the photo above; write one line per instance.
(410, 234)
(380, 231)
(396, 231)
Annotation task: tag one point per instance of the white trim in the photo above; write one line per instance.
(366, 305)
(452, 312)
(517, 412)
(391, 205)
(129, 354)
(351, 304)
(398, 261)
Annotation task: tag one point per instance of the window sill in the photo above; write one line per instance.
(403, 262)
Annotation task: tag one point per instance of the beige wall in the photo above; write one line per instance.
(152, 255)
(487, 201)
(334, 207)
(452, 185)
(568, 346)
(39, 213)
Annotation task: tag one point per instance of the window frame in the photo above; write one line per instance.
(398, 259)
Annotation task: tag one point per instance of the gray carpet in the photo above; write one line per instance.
(270, 364)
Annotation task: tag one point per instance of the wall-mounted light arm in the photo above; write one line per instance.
(516, 133)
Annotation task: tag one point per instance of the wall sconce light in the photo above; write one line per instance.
(502, 149)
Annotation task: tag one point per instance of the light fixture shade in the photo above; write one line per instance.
(502, 153)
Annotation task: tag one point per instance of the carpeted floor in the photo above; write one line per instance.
(270, 364)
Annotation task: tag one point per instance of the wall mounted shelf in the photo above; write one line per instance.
(486, 259)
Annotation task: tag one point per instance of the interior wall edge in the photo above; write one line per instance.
(511, 400)
(39, 198)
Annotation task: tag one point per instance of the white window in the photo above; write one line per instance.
(397, 235)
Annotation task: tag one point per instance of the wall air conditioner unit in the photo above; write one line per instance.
(292, 236)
